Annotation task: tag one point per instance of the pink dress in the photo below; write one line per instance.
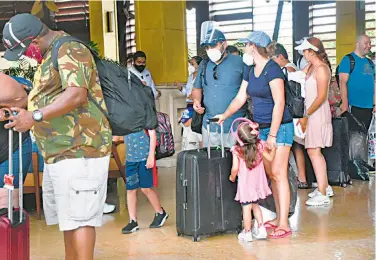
(252, 183)
(319, 132)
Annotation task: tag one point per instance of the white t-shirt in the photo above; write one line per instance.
(146, 77)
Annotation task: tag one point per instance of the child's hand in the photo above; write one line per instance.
(232, 178)
(150, 162)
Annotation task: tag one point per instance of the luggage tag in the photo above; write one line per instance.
(8, 182)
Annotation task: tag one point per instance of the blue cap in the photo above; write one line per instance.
(212, 40)
(257, 37)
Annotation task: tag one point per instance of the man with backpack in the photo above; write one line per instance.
(356, 75)
(66, 115)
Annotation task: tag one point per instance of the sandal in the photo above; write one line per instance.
(268, 225)
(302, 185)
(284, 234)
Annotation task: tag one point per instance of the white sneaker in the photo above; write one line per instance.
(108, 208)
(329, 192)
(245, 236)
(318, 200)
(260, 233)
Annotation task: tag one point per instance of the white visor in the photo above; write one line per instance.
(301, 41)
(306, 45)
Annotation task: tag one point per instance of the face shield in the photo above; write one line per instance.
(209, 33)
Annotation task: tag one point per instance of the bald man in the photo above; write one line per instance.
(12, 94)
(356, 80)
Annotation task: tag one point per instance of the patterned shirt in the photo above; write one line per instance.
(137, 145)
(85, 131)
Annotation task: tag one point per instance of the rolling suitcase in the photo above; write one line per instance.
(14, 223)
(336, 156)
(205, 202)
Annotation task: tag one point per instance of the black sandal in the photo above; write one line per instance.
(302, 185)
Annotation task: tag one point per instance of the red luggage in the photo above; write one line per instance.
(14, 227)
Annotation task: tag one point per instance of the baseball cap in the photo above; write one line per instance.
(259, 38)
(306, 45)
(18, 33)
(213, 38)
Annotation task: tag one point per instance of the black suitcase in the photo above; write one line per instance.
(336, 157)
(205, 202)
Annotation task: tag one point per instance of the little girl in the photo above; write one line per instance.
(248, 154)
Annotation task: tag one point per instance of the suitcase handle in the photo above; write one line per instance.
(209, 121)
(10, 163)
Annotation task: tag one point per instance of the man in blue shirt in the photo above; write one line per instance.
(357, 84)
(217, 83)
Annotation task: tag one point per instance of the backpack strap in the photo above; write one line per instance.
(203, 72)
(352, 62)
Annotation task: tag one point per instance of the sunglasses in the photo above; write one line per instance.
(215, 73)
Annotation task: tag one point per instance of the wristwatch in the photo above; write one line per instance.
(37, 116)
(306, 116)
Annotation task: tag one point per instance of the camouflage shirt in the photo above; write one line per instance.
(85, 131)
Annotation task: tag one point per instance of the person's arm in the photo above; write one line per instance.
(238, 102)
(344, 75)
(269, 154)
(235, 166)
(153, 144)
(278, 92)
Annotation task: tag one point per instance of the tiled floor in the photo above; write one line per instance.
(344, 231)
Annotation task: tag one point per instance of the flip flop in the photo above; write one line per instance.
(268, 225)
(284, 234)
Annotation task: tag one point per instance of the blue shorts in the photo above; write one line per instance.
(285, 135)
(138, 176)
(26, 161)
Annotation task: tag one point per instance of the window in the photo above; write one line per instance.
(370, 8)
(191, 32)
(238, 18)
(322, 24)
(265, 14)
(233, 17)
(130, 31)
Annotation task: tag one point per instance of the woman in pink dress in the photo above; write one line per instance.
(317, 122)
(252, 183)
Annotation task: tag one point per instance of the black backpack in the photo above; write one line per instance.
(130, 105)
(352, 66)
(293, 96)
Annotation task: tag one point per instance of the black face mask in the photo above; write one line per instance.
(139, 68)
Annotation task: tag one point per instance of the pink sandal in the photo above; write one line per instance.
(268, 225)
(284, 234)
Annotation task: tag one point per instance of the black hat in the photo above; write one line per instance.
(18, 33)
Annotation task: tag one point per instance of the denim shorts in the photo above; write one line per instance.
(285, 135)
(138, 176)
(26, 161)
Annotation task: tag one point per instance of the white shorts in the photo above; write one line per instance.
(215, 139)
(74, 192)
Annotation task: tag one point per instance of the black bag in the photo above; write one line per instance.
(130, 105)
(269, 202)
(196, 124)
(293, 97)
(197, 119)
(205, 202)
(249, 109)
(336, 157)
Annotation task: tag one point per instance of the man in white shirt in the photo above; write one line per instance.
(140, 70)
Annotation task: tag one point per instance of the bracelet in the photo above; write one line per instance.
(273, 136)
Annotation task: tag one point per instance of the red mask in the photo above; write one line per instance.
(33, 52)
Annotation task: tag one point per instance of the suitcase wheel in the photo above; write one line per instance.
(196, 239)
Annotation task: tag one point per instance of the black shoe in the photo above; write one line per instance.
(130, 228)
(159, 219)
